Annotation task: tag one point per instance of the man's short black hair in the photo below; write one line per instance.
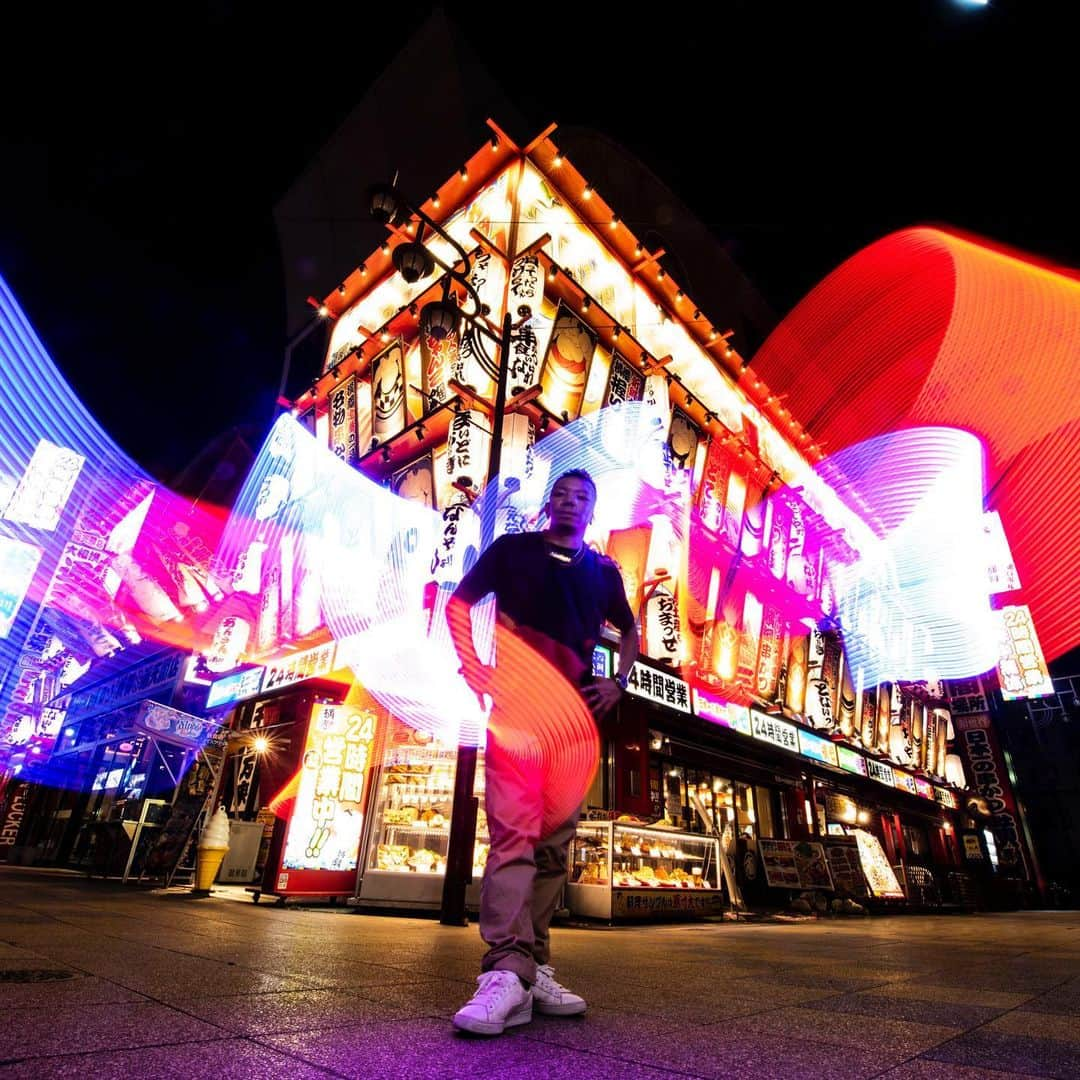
(576, 474)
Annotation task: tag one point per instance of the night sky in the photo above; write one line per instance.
(142, 151)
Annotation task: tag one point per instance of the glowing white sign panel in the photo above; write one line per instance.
(1021, 665)
(43, 492)
(324, 831)
(1000, 567)
(917, 599)
(18, 561)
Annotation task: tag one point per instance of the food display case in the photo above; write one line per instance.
(623, 870)
(410, 825)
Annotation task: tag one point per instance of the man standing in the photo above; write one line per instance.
(555, 593)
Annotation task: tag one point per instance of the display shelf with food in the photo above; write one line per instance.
(410, 824)
(630, 869)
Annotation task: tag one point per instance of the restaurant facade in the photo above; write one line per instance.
(747, 764)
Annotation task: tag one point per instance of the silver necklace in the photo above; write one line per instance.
(564, 559)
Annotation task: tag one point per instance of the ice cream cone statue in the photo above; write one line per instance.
(213, 844)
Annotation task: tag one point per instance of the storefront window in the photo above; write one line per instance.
(764, 811)
(745, 815)
(918, 846)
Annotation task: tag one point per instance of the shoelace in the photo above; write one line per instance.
(492, 989)
(549, 972)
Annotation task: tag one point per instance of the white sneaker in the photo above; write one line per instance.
(501, 1002)
(551, 998)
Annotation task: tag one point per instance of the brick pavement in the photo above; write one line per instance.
(99, 980)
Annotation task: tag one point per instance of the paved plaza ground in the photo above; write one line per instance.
(100, 980)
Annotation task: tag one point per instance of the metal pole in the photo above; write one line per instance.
(459, 854)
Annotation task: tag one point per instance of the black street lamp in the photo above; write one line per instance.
(440, 319)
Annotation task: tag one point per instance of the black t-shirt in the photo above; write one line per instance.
(569, 602)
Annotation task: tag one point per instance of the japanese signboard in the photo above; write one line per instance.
(795, 864)
(660, 687)
(875, 866)
(1000, 567)
(566, 364)
(724, 713)
(634, 903)
(156, 675)
(713, 487)
(233, 688)
(846, 868)
(388, 411)
(879, 771)
(322, 844)
(625, 382)
(343, 421)
(813, 746)
(945, 797)
(309, 664)
(966, 696)
(989, 776)
(45, 487)
(172, 725)
(778, 732)
(850, 760)
(1021, 664)
(18, 561)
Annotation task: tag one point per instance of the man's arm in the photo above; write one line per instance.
(474, 586)
(604, 694)
(629, 647)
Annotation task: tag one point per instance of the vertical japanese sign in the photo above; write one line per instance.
(769, 652)
(625, 382)
(388, 392)
(989, 775)
(475, 365)
(713, 485)
(526, 302)
(322, 844)
(566, 364)
(438, 360)
(343, 429)
(468, 444)
(45, 487)
(1021, 664)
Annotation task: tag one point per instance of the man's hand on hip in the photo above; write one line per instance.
(602, 696)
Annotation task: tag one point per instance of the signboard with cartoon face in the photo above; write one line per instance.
(388, 414)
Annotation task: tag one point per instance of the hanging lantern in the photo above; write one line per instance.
(954, 771)
(413, 261)
(439, 319)
(868, 720)
(519, 435)
(460, 532)
(468, 444)
(663, 634)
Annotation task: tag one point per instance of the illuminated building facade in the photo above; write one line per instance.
(808, 761)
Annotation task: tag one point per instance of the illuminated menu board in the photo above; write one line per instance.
(18, 561)
(905, 781)
(879, 771)
(778, 732)
(721, 712)
(879, 874)
(813, 746)
(850, 760)
(324, 831)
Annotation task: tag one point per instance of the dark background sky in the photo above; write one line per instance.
(142, 151)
